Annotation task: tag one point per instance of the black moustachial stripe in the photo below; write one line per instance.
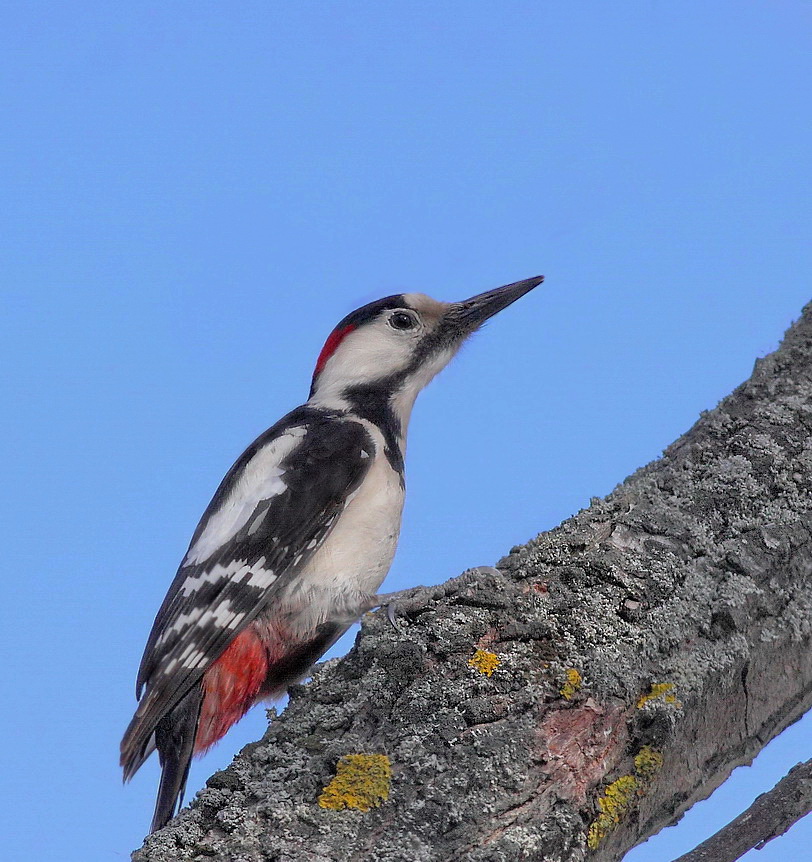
(373, 401)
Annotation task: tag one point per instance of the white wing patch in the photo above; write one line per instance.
(222, 616)
(182, 622)
(192, 656)
(260, 479)
(257, 522)
(255, 575)
(195, 659)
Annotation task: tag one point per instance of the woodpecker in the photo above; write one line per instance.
(298, 537)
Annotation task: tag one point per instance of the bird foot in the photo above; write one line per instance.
(416, 599)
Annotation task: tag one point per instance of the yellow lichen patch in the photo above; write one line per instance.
(663, 691)
(621, 795)
(647, 763)
(615, 803)
(362, 781)
(484, 661)
(572, 684)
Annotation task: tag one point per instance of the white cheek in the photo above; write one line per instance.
(373, 352)
(381, 354)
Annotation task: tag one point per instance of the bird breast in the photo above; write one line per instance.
(354, 559)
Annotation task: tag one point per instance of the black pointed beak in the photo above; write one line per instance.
(471, 313)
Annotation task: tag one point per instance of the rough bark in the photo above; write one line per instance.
(645, 648)
(768, 817)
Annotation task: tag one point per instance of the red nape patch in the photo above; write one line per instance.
(231, 687)
(330, 346)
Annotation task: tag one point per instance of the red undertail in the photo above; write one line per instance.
(231, 686)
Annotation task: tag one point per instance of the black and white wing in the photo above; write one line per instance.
(270, 514)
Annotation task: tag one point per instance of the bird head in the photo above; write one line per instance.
(396, 345)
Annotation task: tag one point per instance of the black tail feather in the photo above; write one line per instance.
(175, 740)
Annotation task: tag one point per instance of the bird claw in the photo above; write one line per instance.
(407, 601)
(391, 614)
(417, 598)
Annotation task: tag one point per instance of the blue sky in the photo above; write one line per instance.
(194, 193)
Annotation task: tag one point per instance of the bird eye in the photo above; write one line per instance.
(402, 320)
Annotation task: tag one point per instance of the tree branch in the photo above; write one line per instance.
(576, 699)
(769, 816)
